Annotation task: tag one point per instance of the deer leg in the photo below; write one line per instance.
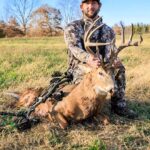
(61, 120)
(104, 119)
(58, 118)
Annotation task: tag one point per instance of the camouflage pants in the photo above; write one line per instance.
(118, 100)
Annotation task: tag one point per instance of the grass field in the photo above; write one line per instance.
(30, 62)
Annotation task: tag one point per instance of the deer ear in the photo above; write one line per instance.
(15, 95)
(85, 68)
(100, 91)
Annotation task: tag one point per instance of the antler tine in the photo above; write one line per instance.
(86, 38)
(131, 36)
(130, 43)
(87, 42)
(141, 39)
(122, 33)
(88, 31)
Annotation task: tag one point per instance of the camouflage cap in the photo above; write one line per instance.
(83, 1)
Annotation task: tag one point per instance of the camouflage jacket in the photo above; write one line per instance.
(74, 35)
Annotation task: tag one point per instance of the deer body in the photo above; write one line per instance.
(85, 99)
(88, 97)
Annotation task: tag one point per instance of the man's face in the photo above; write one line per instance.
(90, 8)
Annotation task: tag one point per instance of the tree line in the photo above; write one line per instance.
(26, 18)
(43, 21)
(139, 28)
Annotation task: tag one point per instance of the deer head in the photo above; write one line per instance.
(103, 75)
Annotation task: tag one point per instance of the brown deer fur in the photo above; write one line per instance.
(85, 99)
(27, 97)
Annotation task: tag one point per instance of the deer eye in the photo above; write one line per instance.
(101, 74)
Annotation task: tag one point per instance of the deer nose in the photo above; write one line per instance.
(111, 91)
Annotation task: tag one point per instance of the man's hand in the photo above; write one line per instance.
(93, 62)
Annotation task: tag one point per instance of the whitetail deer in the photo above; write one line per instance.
(86, 98)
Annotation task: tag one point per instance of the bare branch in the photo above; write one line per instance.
(69, 10)
(22, 10)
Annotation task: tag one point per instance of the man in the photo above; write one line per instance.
(74, 35)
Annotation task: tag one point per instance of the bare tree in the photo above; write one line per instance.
(21, 10)
(13, 22)
(2, 27)
(45, 20)
(69, 10)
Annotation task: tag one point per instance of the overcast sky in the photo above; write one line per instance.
(113, 11)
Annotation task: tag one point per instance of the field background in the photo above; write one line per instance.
(29, 62)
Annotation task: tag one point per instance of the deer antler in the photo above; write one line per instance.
(129, 43)
(114, 49)
(89, 44)
(89, 33)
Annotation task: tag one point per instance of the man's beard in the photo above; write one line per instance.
(93, 16)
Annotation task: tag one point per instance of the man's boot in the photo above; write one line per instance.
(118, 103)
(120, 108)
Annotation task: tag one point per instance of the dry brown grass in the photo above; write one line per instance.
(29, 62)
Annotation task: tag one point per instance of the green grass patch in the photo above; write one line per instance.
(131, 61)
(97, 145)
(19, 64)
(135, 142)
